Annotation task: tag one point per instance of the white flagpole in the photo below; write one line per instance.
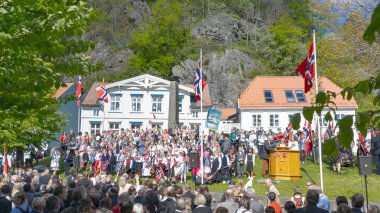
(318, 123)
(104, 110)
(201, 128)
(80, 106)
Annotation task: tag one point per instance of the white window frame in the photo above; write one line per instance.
(113, 125)
(95, 113)
(276, 120)
(157, 125)
(195, 114)
(115, 103)
(95, 128)
(180, 103)
(339, 116)
(157, 103)
(303, 96)
(256, 120)
(136, 101)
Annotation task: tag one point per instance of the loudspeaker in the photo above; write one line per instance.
(194, 159)
(365, 165)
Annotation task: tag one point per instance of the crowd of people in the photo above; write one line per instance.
(91, 162)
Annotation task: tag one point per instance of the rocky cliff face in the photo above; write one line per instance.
(225, 73)
(222, 27)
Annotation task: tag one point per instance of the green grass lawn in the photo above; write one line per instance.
(347, 183)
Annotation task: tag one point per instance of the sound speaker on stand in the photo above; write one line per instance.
(365, 168)
(365, 165)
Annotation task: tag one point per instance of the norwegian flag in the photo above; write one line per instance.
(363, 149)
(78, 93)
(102, 93)
(307, 132)
(328, 133)
(289, 131)
(159, 174)
(287, 134)
(5, 162)
(199, 82)
(307, 68)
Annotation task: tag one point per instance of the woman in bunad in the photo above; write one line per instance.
(157, 159)
(129, 163)
(164, 162)
(104, 159)
(216, 168)
(160, 145)
(252, 139)
(177, 160)
(139, 163)
(232, 157)
(54, 165)
(250, 162)
(120, 162)
(147, 164)
(86, 138)
(206, 163)
(97, 161)
(184, 160)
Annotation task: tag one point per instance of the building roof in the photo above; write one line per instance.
(145, 80)
(90, 98)
(253, 96)
(226, 112)
(206, 96)
(60, 91)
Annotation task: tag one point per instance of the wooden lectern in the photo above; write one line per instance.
(284, 164)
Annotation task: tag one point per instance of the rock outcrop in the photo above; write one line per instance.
(222, 28)
(225, 73)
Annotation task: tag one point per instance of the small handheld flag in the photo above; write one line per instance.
(78, 93)
(307, 68)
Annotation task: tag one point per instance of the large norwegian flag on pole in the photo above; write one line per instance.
(307, 68)
(102, 93)
(199, 82)
(78, 93)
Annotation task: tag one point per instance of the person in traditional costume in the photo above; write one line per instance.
(216, 168)
(147, 165)
(120, 162)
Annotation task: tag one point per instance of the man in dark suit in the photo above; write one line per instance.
(168, 205)
(151, 196)
(375, 150)
(187, 193)
(312, 198)
(265, 156)
(5, 199)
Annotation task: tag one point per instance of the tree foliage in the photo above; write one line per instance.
(159, 37)
(40, 41)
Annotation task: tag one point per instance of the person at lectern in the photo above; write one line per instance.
(265, 150)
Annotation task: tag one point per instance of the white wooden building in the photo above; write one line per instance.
(142, 101)
(270, 101)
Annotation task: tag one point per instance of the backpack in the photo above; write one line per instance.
(298, 200)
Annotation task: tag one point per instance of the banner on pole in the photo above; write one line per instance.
(213, 118)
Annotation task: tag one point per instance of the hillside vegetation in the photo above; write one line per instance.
(240, 39)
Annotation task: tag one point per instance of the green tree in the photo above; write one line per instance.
(158, 38)
(40, 42)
